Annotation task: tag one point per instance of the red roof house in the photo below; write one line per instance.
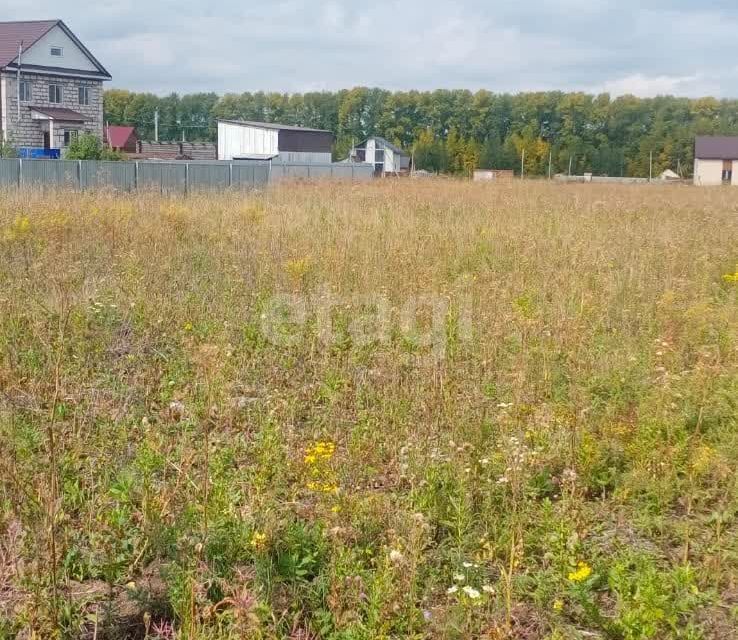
(121, 138)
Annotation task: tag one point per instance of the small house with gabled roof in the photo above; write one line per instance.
(387, 158)
(716, 160)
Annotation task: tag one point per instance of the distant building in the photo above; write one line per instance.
(490, 175)
(246, 140)
(50, 87)
(121, 138)
(387, 158)
(716, 160)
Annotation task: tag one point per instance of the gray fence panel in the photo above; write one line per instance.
(9, 172)
(244, 176)
(50, 173)
(164, 177)
(169, 177)
(116, 175)
(320, 171)
(208, 176)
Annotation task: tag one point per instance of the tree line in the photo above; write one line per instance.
(456, 130)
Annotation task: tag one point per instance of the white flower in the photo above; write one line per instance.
(459, 577)
(468, 565)
(451, 590)
(396, 557)
(504, 405)
(484, 461)
(471, 592)
(488, 588)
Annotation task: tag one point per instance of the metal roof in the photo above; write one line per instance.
(117, 136)
(29, 32)
(272, 125)
(385, 143)
(56, 113)
(13, 33)
(716, 147)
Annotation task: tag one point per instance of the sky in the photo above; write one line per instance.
(163, 46)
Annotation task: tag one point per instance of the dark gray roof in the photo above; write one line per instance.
(385, 144)
(716, 147)
(58, 113)
(12, 34)
(272, 125)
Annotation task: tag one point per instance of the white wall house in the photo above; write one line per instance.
(241, 139)
(387, 158)
(716, 160)
(51, 86)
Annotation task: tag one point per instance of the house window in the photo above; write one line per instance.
(24, 91)
(57, 52)
(84, 95)
(55, 93)
(70, 135)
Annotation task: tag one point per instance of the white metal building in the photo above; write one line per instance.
(716, 160)
(386, 157)
(242, 139)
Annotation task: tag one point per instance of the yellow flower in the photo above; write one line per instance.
(731, 277)
(558, 605)
(258, 540)
(310, 458)
(20, 228)
(188, 326)
(582, 573)
(335, 509)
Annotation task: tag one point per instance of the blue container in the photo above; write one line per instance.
(39, 153)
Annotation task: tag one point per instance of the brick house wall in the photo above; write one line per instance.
(29, 132)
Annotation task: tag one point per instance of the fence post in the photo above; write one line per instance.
(187, 177)
(79, 174)
(20, 172)
(135, 175)
(230, 175)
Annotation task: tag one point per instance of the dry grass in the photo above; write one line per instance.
(571, 460)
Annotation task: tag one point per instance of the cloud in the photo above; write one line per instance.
(291, 45)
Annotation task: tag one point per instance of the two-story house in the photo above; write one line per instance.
(51, 87)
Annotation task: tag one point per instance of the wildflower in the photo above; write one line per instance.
(471, 592)
(459, 577)
(558, 605)
(484, 462)
(396, 556)
(188, 326)
(488, 588)
(731, 277)
(467, 565)
(335, 509)
(452, 589)
(582, 573)
(258, 540)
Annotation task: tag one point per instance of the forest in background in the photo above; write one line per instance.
(456, 131)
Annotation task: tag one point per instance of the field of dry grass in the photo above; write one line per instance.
(395, 410)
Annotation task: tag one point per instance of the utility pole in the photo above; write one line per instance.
(156, 125)
(522, 166)
(18, 83)
(570, 159)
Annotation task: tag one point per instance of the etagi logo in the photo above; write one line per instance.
(424, 323)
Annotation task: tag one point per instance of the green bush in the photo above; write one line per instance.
(89, 147)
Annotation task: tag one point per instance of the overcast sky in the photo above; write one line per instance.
(675, 47)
